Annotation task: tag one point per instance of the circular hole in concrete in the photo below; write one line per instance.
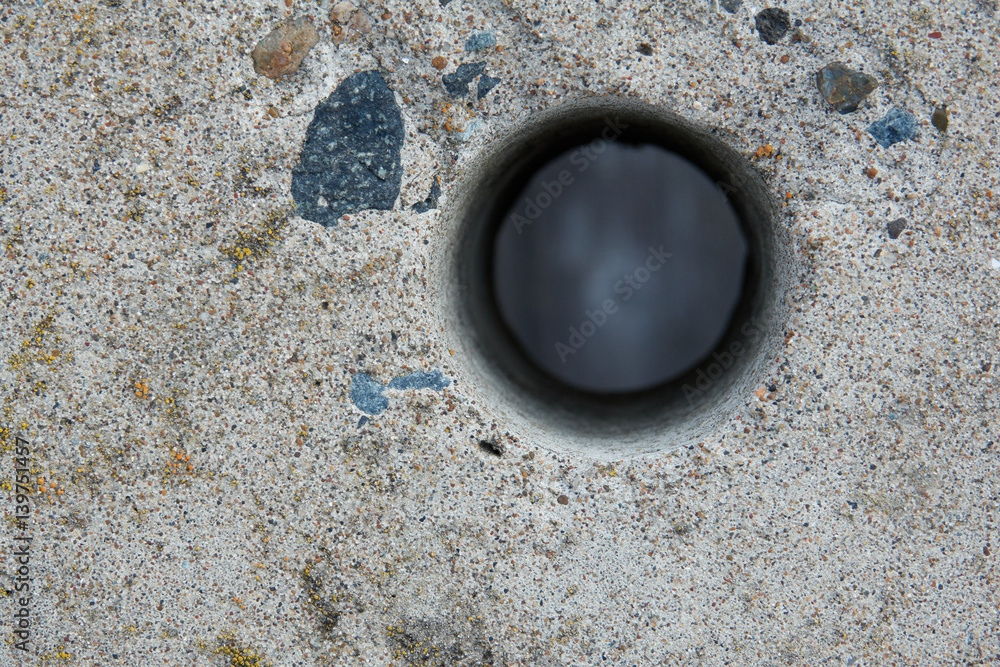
(618, 267)
(693, 336)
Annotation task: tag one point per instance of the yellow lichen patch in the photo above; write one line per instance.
(61, 654)
(243, 180)
(256, 243)
(237, 654)
(179, 462)
(47, 488)
(33, 349)
(142, 388)
(767, 150)
(172, 403)
(455, 118)
(409, 648)
(6, 437)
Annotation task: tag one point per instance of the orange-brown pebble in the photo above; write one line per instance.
(440, 63)
(281, 52)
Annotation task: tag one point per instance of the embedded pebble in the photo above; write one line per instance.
(432, 380)
(348, 22)
(486, 84)
(731, 6)
(469, 130)
(457, 83)
(843, 87)
(480, 42)
(772, 24)
(366, 394)
(350, 159)
(281, 52)
(939, 118)
(342, 12)
(896, 126)
(896, 227)
(369, 396)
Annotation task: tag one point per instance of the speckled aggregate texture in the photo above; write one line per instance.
(178, 348)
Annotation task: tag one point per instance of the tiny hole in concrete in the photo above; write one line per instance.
(491, 447)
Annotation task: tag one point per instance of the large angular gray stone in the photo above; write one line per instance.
(350, 158)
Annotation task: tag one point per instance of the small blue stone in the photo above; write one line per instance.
(366, 394)
(483, 40)
(486, 84)
(457, 83)
(897, 125)
(433, 380)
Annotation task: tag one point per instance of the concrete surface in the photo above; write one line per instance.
(178, 349)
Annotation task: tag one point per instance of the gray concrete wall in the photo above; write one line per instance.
(248, 438)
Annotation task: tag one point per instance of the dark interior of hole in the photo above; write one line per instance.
(505, 178)
(618, 267)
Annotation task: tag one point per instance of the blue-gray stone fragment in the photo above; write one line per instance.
(432, 199)
(366, 394)
(731, 6)
(897, 125)
(772, 24)
(457, 83)
(843, 87)
(350, 158)
(432, 380)
(486, 84)
(483, 40)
